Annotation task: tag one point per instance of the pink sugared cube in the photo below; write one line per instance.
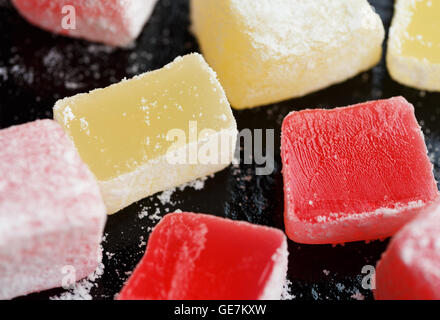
(410, 267)
(354, 173)
(51, 212)
(197, 256)
(114, 22)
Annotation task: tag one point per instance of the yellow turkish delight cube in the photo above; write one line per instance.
(266, 51)
(413, 56)
(153, 132)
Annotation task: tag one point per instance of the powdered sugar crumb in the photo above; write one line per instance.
(142, 242)
(155, 213)
(3, 74)
(286, 294)
(398, 207)
(358, 296)
(153, 217)
(81, 290)
(166, 196)
(197, 184)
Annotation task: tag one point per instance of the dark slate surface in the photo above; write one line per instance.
(37, 68)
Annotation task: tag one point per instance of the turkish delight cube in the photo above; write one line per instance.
(410, 267)
(354, 173)
(115, 22)
(265, 51)
(153, 132)
(196, 256)
(51, 212)
(413, 56)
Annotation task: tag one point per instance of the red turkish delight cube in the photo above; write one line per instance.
(196, 256)
(410, 267)
(354, 173)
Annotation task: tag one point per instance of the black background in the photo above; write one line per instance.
(37, 68)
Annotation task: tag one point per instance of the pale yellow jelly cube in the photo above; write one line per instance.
(413, 56)
(153, 132)
(266, 51)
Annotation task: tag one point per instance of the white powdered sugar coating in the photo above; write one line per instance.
(116, 22)
(409, 70)
(410, 267)
(276, 282)
(51, 211)
(136, 14)
(159, 173)
(82, 289)
(279, 26)
(287, 291)
(420, 243)
(155, 213)
(197, 184)
(285, 48)
(398, 208)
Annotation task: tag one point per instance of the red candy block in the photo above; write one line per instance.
(197, 256)
(354, 173)
(51, 212)
(115, 22)
(410, 267)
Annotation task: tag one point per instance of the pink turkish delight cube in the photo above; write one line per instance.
(114, 22)
(410, 267)
(51, 212)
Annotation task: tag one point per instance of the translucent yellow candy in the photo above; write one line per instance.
(153, 132)
(413, 56)
(265, 51)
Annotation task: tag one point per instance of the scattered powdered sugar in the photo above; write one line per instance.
(396, 209)
(358, 296)
(53, 60)
(287, 291)
(109, 255)
(197, 184)
(3, 74)
(155, 212)
(81, 290)
(315, 294)
(71, 85)
(145, 212)
(22, 73)
(350, 288)
(73, 66)
(96, 49)
(142, 242)
(166, 196)
(340, 287)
